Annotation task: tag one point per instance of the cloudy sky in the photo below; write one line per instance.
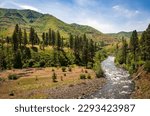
(105, 15)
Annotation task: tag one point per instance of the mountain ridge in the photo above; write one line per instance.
(42, 22)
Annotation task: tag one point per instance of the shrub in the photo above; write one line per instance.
(11, 93)
(25, 65)
(147, 66)
(54, 77)
(86, 71)
(64, 69)
(2, 79)
(65, 74)
(82, 76)
(42, 63)
(89, 65)
(89, 76)
(13, 77)
(99, 73)
(36, 78)
(36, 65)
(70, 69)
(31, 62)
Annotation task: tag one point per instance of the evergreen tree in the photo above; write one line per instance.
(20, 37)
(17, 60)
(2, 60)
(91, 50)
(50, 37)
(124, 50)
(71, 41)
(53, 38)
(145, 44)
(134, 44)
(85, 56)
(25, 41)
(58, 41)
(32, 36)
(47, 39)
(15, 38)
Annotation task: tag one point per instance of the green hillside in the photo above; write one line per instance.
(124, 34)
(42, 22)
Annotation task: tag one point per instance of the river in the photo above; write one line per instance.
(118, 84)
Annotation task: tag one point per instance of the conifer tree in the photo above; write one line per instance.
(15, 38)
(32, 36)
(134, 44)
(25, 41)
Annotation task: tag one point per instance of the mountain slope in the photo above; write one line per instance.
(42, 22)
(124, 34)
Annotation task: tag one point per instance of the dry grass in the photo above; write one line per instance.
(37, 82)
(142, 85)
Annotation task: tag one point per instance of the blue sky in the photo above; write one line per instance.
(105, 15)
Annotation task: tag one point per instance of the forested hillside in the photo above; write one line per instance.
(42, 22)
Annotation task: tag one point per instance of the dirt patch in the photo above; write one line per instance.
(142, 84)
(37, 83)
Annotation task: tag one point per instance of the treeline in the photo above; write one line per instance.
(136, 52)
(24, 50)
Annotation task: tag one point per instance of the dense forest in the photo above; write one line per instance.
(23, 50)
(135, 52)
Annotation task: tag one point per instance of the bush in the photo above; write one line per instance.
(99, 73)
(11, 93)
(54, 77)
(70, 69)
(147, 66)
(42, 63)
(13, 77)
(82, 76)
(86, 71)
(2, 79)
(64, 69)
(31, 62)
(89, 76)
(89, 65)
(25, 65)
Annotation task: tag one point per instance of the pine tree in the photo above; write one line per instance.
(17, 60)
(53, 38)
(58, 41)
(50, 37)
(134, 44)
(20, 37)
(43, 38)
(85, 56)
(145, 44)
(3, 64)
(25, 41)
(124, 50)
(15, 38)
(32, 36)
(91, 50)
(46, 39)
(71, 41)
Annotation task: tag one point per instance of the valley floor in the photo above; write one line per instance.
(37, 83)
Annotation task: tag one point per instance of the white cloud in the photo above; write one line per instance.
(12, 4)
(27, 7)
(85, 2)
(125, 12)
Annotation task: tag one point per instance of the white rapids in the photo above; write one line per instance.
(118, 85)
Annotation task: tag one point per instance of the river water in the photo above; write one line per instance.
(118, 84)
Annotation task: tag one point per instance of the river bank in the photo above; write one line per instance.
(142, 84)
